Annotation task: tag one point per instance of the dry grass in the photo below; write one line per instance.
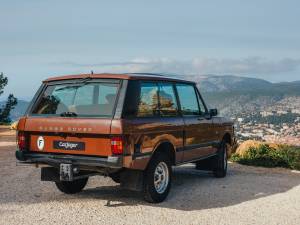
(246, 145)
(267, 155)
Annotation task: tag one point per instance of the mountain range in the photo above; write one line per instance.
(230, 83)
(234, 95)
(231, 94)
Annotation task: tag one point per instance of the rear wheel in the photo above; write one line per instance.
(220, 161)
(205, 164)
(71, 187)
(115, 177)
(157, 180)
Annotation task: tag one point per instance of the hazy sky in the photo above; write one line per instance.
(254, 38)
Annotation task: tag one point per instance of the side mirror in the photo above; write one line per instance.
(213, 112)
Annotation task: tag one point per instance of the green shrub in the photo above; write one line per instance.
(264, 155)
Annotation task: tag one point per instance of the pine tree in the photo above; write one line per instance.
(10, 103)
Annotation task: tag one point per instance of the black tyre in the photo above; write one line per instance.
(157, 178)
(220, 161)
(115, 177)
(205, 164)
(71, 187)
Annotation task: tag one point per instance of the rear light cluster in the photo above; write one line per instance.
(21, 141)
(117, 145)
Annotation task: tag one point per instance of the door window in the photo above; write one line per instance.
(188, 99)
(167, 100)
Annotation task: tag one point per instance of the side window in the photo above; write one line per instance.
(148, 102)
(167, 100)
(188, 99)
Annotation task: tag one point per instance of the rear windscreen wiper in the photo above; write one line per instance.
(84, 80)
(68, 114)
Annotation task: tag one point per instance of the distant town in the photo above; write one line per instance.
(277, 124)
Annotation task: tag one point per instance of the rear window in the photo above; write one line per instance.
(89, 99)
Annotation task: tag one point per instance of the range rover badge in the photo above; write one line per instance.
(40, 143)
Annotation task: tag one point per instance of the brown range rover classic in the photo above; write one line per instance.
(130, 127)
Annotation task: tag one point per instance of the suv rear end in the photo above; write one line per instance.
(69, 122)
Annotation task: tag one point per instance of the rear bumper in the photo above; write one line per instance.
(55, 160)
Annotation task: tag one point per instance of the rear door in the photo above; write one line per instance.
(73, 117)
(197, 137)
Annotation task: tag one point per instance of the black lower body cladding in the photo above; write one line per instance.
(114, 162)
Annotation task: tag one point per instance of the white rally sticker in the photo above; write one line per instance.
(40, 143)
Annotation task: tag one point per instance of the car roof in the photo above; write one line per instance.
(125, 76)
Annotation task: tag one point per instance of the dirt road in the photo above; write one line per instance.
(247, 195)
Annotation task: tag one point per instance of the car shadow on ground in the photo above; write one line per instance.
(196, 190)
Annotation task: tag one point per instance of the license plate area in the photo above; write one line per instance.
(69, 145)
(66, 172)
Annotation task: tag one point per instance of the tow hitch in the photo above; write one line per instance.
(66, 172)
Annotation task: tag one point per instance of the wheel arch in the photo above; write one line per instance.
(227, 138)
(165, 147)
(228, 141)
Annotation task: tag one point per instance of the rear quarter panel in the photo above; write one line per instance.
(21, 124)
(145, 134)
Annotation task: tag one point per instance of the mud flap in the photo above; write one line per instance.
(49, 174)
(132, 180)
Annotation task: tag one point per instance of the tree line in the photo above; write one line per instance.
(11, 102)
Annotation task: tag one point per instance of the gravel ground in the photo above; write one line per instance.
(247, 195)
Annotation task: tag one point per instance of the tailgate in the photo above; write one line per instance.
(69, 135)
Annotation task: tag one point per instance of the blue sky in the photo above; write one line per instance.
(38, 39)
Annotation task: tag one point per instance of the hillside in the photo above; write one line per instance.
(235, 95)
(19, 110)
(226, 83)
